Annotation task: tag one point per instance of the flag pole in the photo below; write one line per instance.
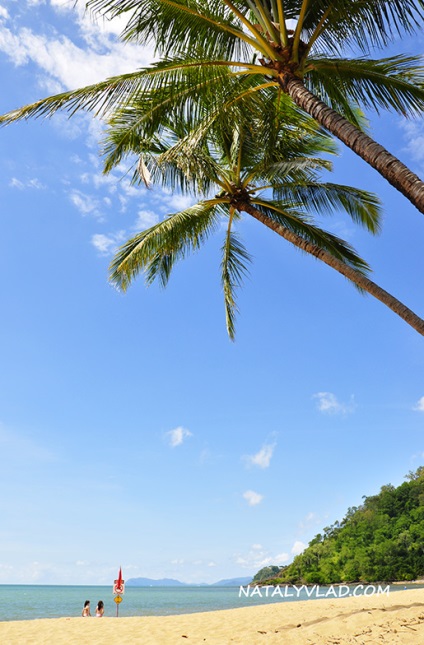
(118, 590)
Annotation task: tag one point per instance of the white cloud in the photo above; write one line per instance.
(129, 189)
(62, 60)
(252, 498)
(298, 547)
(73, 128)
(29, 183)
(414, 134)
(328, 403)
(419, 407)
(86, 204)
(107, 244)
(175, 201)
(262, 458)
(179, 202)
(35, 183)
(145, 219)
(255, 559)
(103, 181)
(177, 436)
(249, 564)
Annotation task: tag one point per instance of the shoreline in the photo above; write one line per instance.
(394, 619)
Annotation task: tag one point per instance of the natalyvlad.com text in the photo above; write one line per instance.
(314, 591)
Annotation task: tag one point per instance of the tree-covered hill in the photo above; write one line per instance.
(383, 539)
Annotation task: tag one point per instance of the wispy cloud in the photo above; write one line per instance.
(252, 498)
(328, 403)
(107, 244)
(145, 219)
(262, 459)
(177, 436)
(179, 202)
(60, 59)
(28, 183)
(85, 204)
(419, 406)
(298, 547)
(414, 135)
(258, 557)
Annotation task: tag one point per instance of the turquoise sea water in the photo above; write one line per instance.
(26, 602)
(23, 602)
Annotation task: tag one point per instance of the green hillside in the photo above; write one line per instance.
(381, 540)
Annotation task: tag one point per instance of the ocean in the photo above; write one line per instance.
(27, 602)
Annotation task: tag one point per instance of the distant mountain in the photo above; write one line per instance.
(232, 582)
(170, 582)
(149, 582)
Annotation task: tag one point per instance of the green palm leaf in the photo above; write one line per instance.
(370, 24)
(394, 83)
(296, 221)
(178, 25)
(326, 198)
(233, 269)
(156, 249)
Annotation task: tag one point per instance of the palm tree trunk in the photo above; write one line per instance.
(372, 152)
(354, 276)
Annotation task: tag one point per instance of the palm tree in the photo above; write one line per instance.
(277, 184)
(203, 40)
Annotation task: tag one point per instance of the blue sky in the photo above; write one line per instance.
(132, 431)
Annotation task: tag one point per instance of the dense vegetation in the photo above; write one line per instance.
(383, 539)
(265, 574)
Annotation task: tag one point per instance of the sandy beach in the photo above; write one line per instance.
(392, 619)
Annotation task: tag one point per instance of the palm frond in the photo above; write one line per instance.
(171, 82)
(156, 249)
(394, 83)
(327, 198)
(172, 112)
(366, 25)
(302, 225)
(99, 98)
(301, 169)
(176, 26)
(233, 269)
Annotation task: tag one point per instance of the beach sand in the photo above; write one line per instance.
(396, 618)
